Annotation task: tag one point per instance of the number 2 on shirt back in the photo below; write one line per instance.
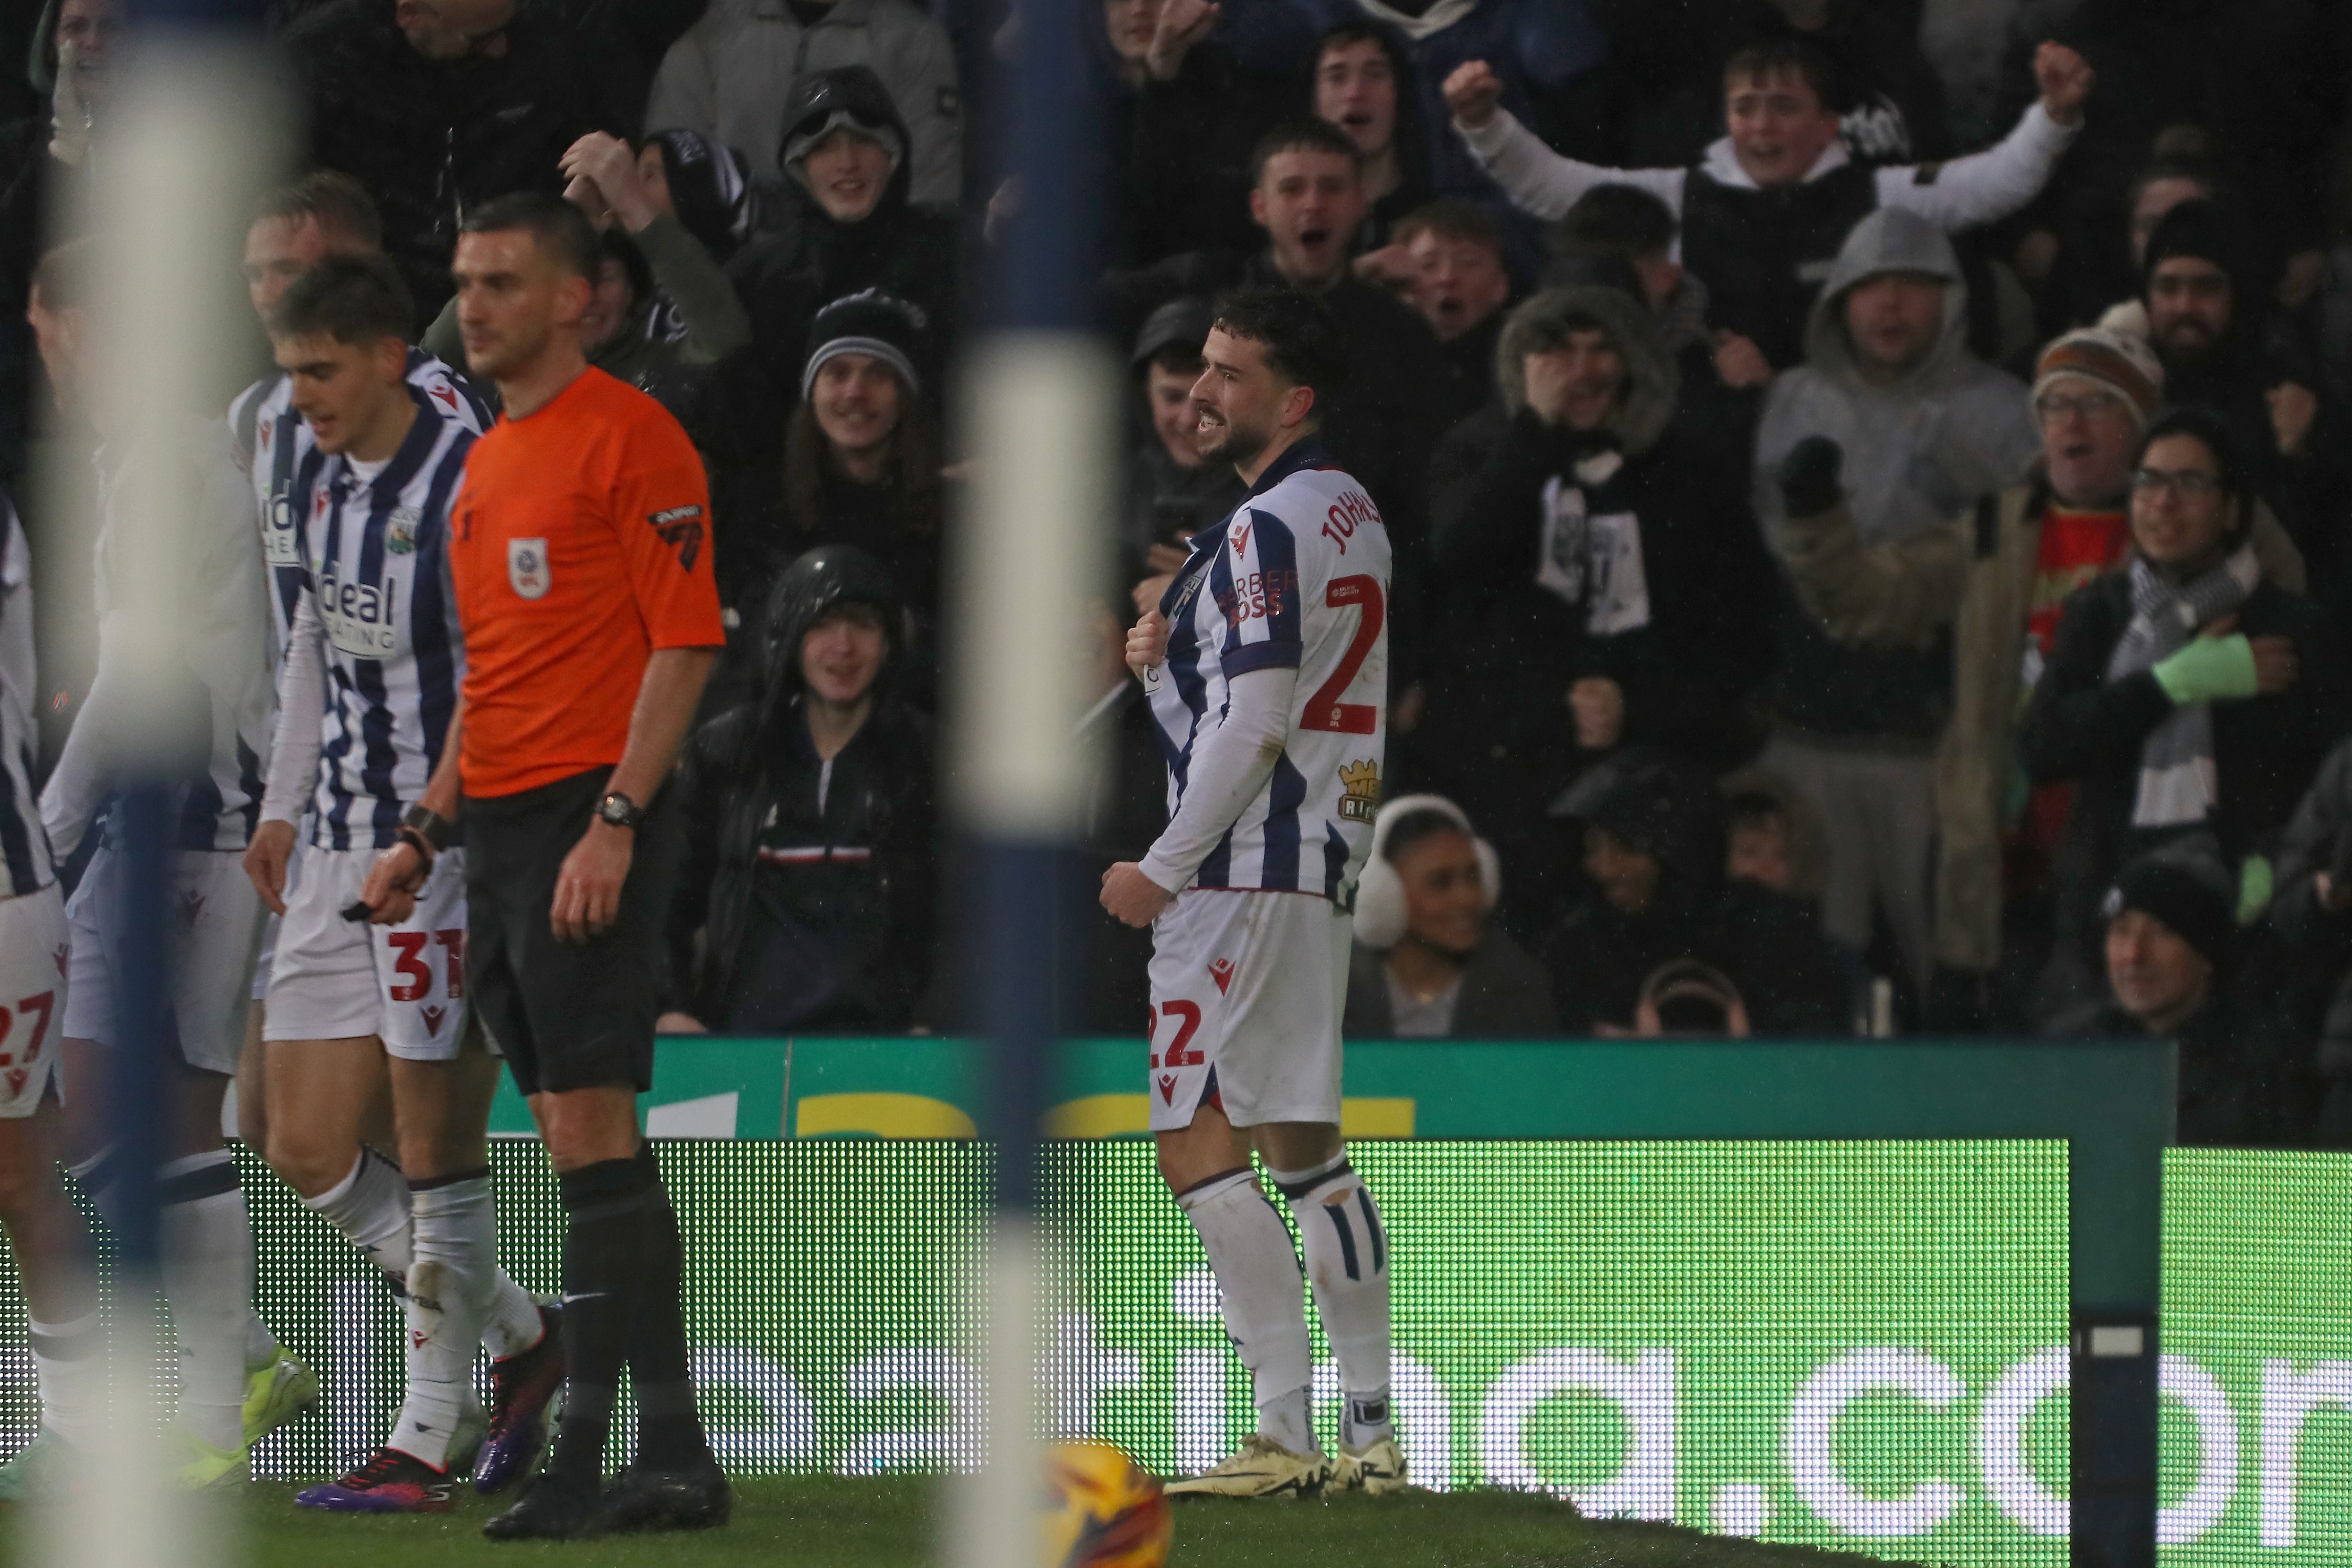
(1325, 711)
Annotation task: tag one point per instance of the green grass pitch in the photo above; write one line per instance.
(831, 1523)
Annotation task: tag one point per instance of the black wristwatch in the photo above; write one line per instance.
(620, 811)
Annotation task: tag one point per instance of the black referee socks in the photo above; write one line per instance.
(669, 1431)
(609, 1206)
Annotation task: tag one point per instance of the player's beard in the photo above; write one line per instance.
(1226, 442)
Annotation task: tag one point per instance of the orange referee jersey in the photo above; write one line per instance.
(580, 543)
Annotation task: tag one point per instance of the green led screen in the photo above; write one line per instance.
(2257, 1372)
(1808, 1341)
(1848, 1344)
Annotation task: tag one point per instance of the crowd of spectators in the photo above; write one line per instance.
(1870, 480)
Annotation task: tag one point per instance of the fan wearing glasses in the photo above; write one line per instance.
(2187, 690)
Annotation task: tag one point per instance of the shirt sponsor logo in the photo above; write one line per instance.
(359, 616)
(281, 543)
(1359, 783)
(1258, 596)
(527, 570)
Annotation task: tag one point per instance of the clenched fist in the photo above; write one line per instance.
(2065, 78)
(1147, 642)
(1472, 92)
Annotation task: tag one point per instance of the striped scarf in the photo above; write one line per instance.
(2177, 783)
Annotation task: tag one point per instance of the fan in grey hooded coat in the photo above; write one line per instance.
(1855, 727)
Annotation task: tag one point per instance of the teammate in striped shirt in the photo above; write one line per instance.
(1266, 669)
(371, 681)
(237, 1382)
(46, 1233)
(295, 228)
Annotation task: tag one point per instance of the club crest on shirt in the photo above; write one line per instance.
(527, 570)
(400, 530)
(1359, 783)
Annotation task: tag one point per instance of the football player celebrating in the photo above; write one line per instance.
(1266, 669)
(371, 679)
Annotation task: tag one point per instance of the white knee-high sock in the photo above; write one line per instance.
(1348, 1263)
(1258, 1289)
(511, 1323)
(207, 1240)
(97, 1176)
(370, 1205)
(69, 1366)
(451, 1284)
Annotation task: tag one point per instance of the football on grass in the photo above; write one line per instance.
(1106, 1510)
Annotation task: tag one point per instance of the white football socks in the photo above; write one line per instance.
(370, 1205)
(69, 1368)
(1258, 1290)
(1348, 1263)
(514, 1324)
(451, 1284)
(206, 1241)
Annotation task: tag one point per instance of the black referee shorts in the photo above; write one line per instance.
(567, 1015)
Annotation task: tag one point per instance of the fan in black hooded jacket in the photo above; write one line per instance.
(1767, 944)
(805, 902)
(810, 258)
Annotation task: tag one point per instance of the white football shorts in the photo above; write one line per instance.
(34, 960)
(334, 979)
(269, 933)
(1247, 989)
(214, 919)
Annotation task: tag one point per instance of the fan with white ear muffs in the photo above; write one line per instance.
(1379, 891)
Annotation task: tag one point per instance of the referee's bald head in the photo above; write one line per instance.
(561, 231)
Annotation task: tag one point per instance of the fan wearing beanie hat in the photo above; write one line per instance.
(861, 456)
(877, 324)
(2171, 938)
(2206, 320)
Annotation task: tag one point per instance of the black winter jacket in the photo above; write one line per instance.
(432, 139)
(840, 941)
(2084, 727)
(807, 260)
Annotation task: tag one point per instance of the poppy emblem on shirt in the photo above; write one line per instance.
(527, 570)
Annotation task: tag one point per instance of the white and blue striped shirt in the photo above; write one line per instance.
(1298, 578)
(272, 441)
(25, 865)
(372, 574)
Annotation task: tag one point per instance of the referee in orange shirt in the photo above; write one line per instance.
(580, 565)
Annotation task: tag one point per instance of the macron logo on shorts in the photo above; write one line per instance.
(1221, 971)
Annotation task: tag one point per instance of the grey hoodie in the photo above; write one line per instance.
(1918, 449)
